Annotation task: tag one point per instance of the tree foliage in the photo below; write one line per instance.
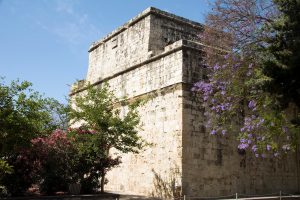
(24, 115)
(253, 77)
(53, 158)
(108, 126)
(282, 63)
(90, 161)
(237, 26)
(236, 104)
(33, 150)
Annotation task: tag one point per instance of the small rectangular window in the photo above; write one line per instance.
(114, 43)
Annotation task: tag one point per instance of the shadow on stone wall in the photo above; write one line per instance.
(167, 187)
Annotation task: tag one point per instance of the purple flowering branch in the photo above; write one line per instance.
(233, 98)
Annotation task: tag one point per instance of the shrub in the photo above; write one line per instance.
(22, 177)
(55, 155)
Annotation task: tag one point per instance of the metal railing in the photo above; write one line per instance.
(279, 195)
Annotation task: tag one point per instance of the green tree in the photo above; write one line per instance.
(5, 168)
(282, 63)
(24, 115)
(97, 112)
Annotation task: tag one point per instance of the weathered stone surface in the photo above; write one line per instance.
(157, 55)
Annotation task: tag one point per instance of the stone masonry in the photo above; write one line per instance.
(158, 55)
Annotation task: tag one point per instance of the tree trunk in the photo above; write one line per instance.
(102, 181)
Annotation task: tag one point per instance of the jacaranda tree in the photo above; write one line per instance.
(243, 96)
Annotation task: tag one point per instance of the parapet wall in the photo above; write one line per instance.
(141, 38)
(128, 47)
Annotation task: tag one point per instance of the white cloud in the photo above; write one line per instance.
(64, 6)
(76, 32)
(74, 27)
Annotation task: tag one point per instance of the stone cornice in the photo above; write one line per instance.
(176, 46)
(142, 15)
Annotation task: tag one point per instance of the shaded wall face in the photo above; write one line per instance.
(165, 31)
(212, 165)
(125, 49)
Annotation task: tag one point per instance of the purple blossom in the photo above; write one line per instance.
(223, 132)
(254, 148)
(261, 121)
(268, 147)
(213, 132)
(243, 140)
(247, 125)
(216, 67)
(226, 56)
(243, 146)
(252, 105)
(247, 120)
(222, 107)
(205, 88)
(237, 65)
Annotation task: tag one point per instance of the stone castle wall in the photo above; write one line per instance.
(157, 56)
(158, 79)
(212, 165)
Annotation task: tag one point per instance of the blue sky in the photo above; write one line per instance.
(46, 41)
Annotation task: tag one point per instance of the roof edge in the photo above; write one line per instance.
(140, 16)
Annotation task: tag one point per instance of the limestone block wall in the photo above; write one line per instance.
(157, 169)
(212, 165)
(167, 28)
(159, 166)
(120, 50)
(155, 73)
